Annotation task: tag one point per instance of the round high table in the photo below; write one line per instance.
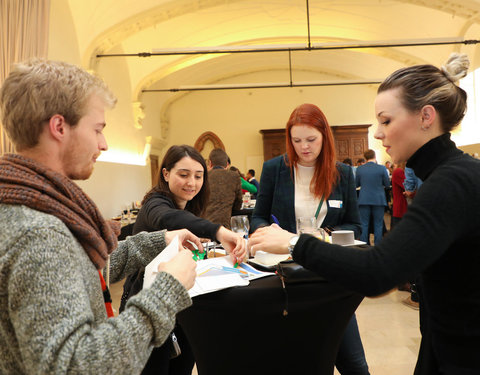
(265, 329)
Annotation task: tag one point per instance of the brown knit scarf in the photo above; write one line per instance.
(24, 181)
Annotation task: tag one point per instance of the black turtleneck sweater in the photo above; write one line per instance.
(439, 239)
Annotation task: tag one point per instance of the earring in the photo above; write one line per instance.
(423, 128)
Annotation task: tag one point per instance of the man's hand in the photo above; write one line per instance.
(233, 243)
(185, 238)
(182, 267)
(272, 239)
(409, 194)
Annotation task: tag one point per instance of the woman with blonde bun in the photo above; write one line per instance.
(438, 239)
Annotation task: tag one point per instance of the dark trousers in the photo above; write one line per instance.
(377, 213)
(351, 356)
(160, 363)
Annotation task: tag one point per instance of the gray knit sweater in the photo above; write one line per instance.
(52, 314)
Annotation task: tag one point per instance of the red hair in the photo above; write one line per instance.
(325, 175)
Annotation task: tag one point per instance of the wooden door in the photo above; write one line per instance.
(351, 141)
(273, 143)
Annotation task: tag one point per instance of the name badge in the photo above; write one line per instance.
(335, 203)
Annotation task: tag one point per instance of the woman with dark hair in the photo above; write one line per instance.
(308, 182)
(437, 240)
(176, 202)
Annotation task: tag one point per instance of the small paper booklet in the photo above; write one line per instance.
(212, 274)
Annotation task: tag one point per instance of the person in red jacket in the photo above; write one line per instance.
(399, 200)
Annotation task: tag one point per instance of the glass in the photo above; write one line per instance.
(241, 225)
(308, 225)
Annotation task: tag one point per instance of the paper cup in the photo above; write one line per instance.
(343, 237)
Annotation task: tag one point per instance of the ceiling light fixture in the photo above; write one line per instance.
(296, 47)
(244, 86)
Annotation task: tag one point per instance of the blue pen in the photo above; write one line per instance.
(275, 220)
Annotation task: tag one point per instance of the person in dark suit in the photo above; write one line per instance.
(307, 181)
(437, 240)
(277, 198)
(251, 178)
(372, 179)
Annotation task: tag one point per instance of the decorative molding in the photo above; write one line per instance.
(138, 115)
(208, 136)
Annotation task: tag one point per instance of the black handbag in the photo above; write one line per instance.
(293, 273)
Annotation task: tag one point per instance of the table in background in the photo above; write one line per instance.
(126, 231)
(242, 330)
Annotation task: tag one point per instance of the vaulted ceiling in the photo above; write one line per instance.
(125, 27)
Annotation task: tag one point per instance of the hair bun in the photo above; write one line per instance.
(456, 66)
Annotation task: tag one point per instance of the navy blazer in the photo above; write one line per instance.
(372, 179)
(277, 197)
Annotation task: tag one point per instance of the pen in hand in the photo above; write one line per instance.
(275, 220)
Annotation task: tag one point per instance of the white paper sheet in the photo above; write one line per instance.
(211, 273)
(152, 269)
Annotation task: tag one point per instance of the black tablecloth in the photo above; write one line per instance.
(243, 330)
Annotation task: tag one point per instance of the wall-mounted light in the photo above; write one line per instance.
(126, 156)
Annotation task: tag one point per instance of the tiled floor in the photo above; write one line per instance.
(389, 331)
(390, 334)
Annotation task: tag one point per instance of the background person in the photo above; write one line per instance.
(225, 190)
(54, 241)
(417, 108)
(399, 201)
(246, 186)
(177, 201)
(411, 184)
(372, 179)
(307, 182)
(251, 178)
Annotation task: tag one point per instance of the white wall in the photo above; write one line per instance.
(114, 186)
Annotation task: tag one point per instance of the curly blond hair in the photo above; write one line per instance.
(38, 89)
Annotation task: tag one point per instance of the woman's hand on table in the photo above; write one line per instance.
(233, 243)
(182, 267)
(185, 239)
(271, 239)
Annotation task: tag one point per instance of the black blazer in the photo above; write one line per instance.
(277, 197)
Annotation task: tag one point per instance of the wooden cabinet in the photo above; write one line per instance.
(351, 141)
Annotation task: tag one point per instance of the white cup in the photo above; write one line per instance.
(343, 237)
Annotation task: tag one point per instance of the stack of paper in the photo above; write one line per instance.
(212, 274)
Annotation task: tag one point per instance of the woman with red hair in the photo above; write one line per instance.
(308, 182)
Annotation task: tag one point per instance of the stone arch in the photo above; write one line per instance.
(208, 136)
